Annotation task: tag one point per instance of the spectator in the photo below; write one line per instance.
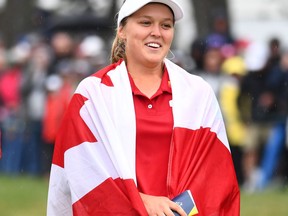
(274, 149)
(259, 95)
(13, 124)
(63, 48)
(60, 87)
(34, 95)
(93, 50)
(234, 70)
(211, 72)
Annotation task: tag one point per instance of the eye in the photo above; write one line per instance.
(145, 22)
(167, 25)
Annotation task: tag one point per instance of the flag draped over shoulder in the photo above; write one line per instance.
(93, 170)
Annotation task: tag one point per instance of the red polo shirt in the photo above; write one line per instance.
(154, 123)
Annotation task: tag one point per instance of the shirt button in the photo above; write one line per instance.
(150, 106)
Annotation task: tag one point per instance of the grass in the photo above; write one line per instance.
(27, 196)
(266, 203)
(23, 196)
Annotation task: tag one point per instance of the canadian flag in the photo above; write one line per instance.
(93, 170)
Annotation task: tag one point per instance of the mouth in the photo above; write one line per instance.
(153, 45)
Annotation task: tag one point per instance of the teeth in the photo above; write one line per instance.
(154, 45)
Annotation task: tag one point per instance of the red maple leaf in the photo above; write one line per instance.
(73, 130)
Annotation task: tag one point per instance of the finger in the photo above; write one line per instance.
(168, 211)
(178, 209)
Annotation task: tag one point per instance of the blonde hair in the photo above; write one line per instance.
(118, 50)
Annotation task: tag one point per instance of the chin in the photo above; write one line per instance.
(155, 58)
(154, 61)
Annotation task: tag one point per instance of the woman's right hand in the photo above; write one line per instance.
(160, 206)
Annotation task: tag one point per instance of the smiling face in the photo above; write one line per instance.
(148, 34)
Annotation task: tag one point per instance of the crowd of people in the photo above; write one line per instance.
(250, 79)
(37, 79)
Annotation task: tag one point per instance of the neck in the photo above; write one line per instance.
(140, 70)
(147, 79)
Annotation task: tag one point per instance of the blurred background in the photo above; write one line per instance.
(239, 47)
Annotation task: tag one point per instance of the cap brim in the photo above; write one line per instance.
(130, 7)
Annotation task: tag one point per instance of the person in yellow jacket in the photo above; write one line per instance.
(234, 68)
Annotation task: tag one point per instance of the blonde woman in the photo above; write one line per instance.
(142, 130)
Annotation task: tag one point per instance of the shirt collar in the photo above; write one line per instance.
(165, 85)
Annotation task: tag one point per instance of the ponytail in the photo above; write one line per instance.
(117, 50)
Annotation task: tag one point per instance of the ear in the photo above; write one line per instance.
(121, 33)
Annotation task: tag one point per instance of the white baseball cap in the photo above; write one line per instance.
(131, 6)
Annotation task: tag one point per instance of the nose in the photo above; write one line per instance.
(156, 31)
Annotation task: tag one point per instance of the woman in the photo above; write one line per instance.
(142, 130)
